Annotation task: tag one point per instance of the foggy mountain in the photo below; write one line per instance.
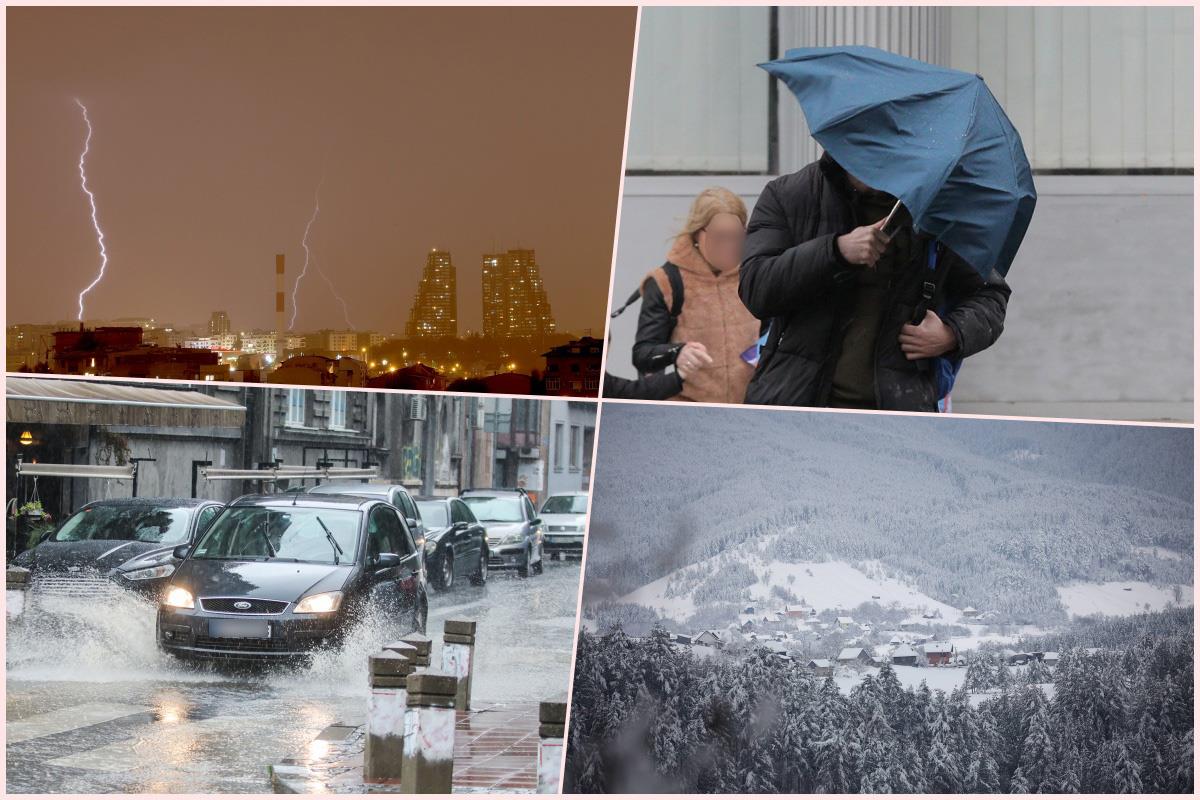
(994, 514)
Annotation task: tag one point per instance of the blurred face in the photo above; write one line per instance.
(720, 241)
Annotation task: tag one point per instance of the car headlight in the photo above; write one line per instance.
(512, 538)
(178, 597)
(430, 547)
(323, 603)
(161, 571)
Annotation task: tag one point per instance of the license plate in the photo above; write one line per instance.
(239, 629)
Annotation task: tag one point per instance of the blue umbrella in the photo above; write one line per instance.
(933, 137)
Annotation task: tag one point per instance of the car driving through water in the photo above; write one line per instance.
(455, 543)
(278, 576)
(127, 543)
(514, 531)
(565, 518)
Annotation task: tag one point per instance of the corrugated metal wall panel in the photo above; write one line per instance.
(1087, 87)
(700, 101)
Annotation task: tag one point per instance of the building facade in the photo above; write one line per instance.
(435, 308)
(218, 324)
(432, 444)
(515, 305)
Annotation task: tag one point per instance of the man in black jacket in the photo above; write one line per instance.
(838, 294)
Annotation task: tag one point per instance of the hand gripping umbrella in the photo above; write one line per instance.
(933, 137)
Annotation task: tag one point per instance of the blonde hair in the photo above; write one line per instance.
(712, 201)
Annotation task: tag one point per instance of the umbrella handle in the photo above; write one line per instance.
(887, 220)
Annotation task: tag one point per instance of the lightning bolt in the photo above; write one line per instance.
(307, 255)
(87, 144)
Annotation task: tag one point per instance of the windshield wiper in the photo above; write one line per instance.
(337, 548)
(267, 540)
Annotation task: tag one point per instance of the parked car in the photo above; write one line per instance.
(279, 576)
(394, 493)
(565, 518)
(455, 543)
(127, 542)
(514, 531)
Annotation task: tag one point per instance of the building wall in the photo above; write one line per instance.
(574, 419)
(1087, 87)
(1100, 322)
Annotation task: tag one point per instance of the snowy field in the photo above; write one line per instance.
(1120, 598)
(939, 679)
(833, 585)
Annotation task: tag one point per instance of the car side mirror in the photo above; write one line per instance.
(412, 522)
(536, 522)
(181, 552)
(387, 561)
(460, 526)
(45, 537)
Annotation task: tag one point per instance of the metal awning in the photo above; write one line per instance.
(63, 401)
(284, 472)
(119, 472)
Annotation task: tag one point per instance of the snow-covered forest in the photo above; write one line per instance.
(648, 716)
(992, 514)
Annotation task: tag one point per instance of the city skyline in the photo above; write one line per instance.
(206, 166)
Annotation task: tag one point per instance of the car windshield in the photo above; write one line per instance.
(288, 533)
(495, 509)
(131, 523)
(433, 513)
(566, 504)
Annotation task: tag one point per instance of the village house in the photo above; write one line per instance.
(854, 655)
(904, 656)
(821, 667)
(970, 613)
(939, 654)
(708, 639)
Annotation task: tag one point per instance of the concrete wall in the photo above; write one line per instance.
(1100, 324)
(567, 478)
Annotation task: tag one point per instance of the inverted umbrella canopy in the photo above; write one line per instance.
(933, 137)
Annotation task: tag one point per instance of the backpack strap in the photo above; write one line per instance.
(936, 269)
(676, 282)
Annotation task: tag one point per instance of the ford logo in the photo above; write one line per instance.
(242, 605)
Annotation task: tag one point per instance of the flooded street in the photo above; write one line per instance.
(93, 707)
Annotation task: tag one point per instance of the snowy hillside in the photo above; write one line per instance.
(829, 586)
(996, 515)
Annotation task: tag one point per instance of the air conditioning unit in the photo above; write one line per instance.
(529, 452)
(416, 408)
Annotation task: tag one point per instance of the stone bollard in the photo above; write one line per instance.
(429, 734)
(383, 758)
(405, 649)
(458, 657)
(16, 591)
(423, 645)
(552, 720)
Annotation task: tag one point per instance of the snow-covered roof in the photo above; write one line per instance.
(845, 620)
(903, 651)
(849, 653)
(820, 662)
(939, 647)
(1050, 656)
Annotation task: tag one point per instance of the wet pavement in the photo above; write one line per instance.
(93, 707)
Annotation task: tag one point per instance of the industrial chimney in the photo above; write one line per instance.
(280, 333)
